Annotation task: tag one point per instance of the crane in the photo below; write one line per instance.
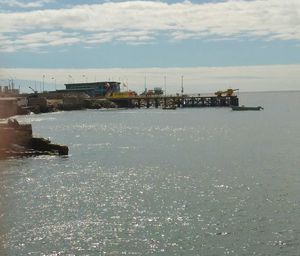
(34, 91)
(228, 92)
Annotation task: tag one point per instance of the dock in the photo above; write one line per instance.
(180, 101)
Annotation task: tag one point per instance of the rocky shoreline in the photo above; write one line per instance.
(23, 104)
(16, 140)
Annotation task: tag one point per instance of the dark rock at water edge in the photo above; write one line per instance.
(44, 145)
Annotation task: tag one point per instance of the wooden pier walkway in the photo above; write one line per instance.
(184, 101)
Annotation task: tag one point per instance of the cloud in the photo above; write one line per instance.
(100, 23)
(20, 4)
(196, 80)
(37, 40)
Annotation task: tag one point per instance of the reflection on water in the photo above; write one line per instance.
(184, 182)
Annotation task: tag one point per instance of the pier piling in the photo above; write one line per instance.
(185, 101)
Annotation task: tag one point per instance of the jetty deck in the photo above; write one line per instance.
(181, 101)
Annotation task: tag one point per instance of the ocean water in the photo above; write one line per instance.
(159, 182)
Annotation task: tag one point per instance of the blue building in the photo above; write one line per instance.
(95, 89)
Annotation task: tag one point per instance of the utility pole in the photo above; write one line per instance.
(70, 79)
(182, 85)
(165, 84)
(54, 82)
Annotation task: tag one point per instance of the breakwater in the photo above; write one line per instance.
(24, 104)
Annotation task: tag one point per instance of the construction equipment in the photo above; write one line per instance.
(155, 92)
(127, 94)
(228, 92)
(34, 91)
(158, 91)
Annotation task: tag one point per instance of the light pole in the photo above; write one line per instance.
(54, 82)
(43, 83)
(165, 84)
(69, 78)
(182, 85)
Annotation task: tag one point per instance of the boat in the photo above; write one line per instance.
(244, 108)
(169, 107)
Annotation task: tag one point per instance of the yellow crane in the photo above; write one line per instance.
(228, 92)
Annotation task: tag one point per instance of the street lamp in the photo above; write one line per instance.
(70, 78)
(145, 84)
(165, 83)
(43, 83)
(182, 85)
(54, 81)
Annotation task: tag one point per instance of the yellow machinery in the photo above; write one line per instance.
(228, 92)
(127, 94)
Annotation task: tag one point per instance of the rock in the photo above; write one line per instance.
(17, 140)
(41, 144)
(72, 103)
(14, 133)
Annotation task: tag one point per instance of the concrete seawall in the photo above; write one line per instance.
(8, 107)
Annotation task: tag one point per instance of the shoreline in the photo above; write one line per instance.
(17, 140)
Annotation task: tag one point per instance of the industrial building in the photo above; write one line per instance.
(95, 89)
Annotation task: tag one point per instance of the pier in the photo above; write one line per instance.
(156, 97)
(183, 101)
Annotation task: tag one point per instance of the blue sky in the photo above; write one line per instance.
(52, 34)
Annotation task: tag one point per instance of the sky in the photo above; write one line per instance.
(214, 44)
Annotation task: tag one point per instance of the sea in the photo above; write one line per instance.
(191, 181)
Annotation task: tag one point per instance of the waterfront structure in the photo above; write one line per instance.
(94, 89)
(183, 101)
(11, 106)
(8, 107)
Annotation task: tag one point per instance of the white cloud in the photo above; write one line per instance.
(196, 80)
(98, 23)
(135, 37)
(20, 4)
(38, 40)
